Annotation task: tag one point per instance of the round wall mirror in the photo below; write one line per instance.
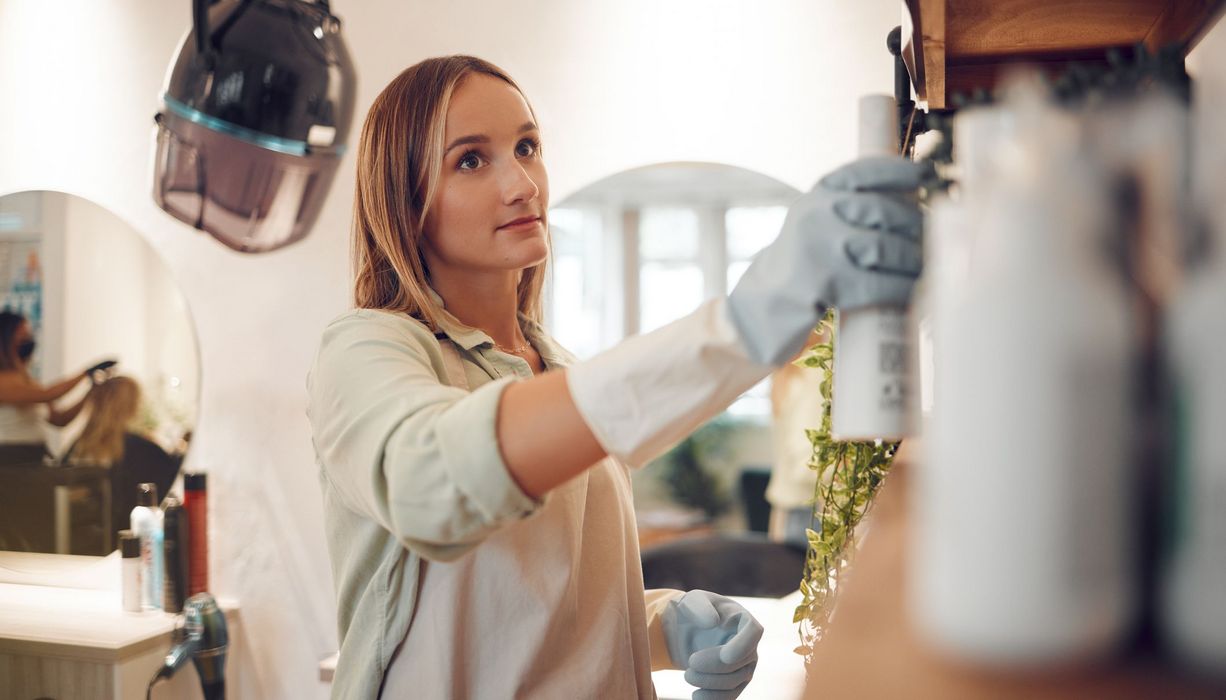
(99, 374)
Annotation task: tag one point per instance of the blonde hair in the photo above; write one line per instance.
(399, 160)
(113, 405)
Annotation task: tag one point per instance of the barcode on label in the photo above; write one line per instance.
(892, 357)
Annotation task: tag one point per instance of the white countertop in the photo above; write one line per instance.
(84, 620)
(83, 624)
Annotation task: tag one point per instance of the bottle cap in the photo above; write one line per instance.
(147, 494)
(129, 544)
(194, 481)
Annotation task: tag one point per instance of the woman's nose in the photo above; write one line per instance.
(518, 185)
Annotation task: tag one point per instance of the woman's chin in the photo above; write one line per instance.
(530, 253)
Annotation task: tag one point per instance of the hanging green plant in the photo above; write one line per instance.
(849, 474)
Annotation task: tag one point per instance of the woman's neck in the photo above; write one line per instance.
(488, 302)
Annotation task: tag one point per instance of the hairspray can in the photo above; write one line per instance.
(195, 502)
(175, 538)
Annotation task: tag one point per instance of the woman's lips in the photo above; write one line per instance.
(521, 224)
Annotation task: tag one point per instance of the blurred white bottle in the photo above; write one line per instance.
(1021, 511)
(1193, 599)
(869, 396)
(943, 225)
(948, 236)
(1194, 594)
(147, 525)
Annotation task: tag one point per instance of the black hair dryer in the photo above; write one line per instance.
(202, 638)
(254, 120)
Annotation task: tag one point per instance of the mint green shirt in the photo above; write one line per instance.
(450, 581)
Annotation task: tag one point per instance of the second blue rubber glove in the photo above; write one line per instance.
(714, 640)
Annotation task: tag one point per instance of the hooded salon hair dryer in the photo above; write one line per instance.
(255, 116)
(203, 639)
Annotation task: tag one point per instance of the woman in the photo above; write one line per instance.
(108, 441)
(475, 478)
(22, 416)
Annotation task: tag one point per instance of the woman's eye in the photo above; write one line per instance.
(526, 148)
(469, 161)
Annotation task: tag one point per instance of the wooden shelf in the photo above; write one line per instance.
(870, 649)
(957, 46)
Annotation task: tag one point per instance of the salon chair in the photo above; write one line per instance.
(754, 481)
(731, 564)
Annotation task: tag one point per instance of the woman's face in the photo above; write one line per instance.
(489, 211)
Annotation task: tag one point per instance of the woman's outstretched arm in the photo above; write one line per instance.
(16, 387)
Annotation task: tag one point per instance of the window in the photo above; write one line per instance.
(669, 269)
(750, 229)
(576, 288)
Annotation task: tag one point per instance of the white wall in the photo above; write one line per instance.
(769, 86)
(104, 288)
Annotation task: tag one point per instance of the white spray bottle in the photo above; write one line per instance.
(869, 399)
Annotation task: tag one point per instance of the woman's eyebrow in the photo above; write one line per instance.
(464, 140)
(482, 138)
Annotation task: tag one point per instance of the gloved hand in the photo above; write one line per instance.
(714, 640)
(852, 241)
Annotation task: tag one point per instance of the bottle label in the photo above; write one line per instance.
(148, 596)
(871, 392)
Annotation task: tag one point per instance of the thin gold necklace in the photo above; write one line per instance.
(512, 351)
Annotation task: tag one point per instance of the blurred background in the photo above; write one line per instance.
(676, 133)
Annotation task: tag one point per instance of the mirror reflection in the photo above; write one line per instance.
(98, 373)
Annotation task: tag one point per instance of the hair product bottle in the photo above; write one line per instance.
(948, 237)
(195, 502)
(174, 555)
(147, 525)
(1021, 510)
(1193, 594)
(129, 550)
(869, 397)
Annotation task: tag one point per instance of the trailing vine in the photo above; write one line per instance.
(849, 474)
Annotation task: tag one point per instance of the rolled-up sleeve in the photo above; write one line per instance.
(419, 457)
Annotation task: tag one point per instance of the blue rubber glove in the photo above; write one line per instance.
(852, 241)
(714, 640)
